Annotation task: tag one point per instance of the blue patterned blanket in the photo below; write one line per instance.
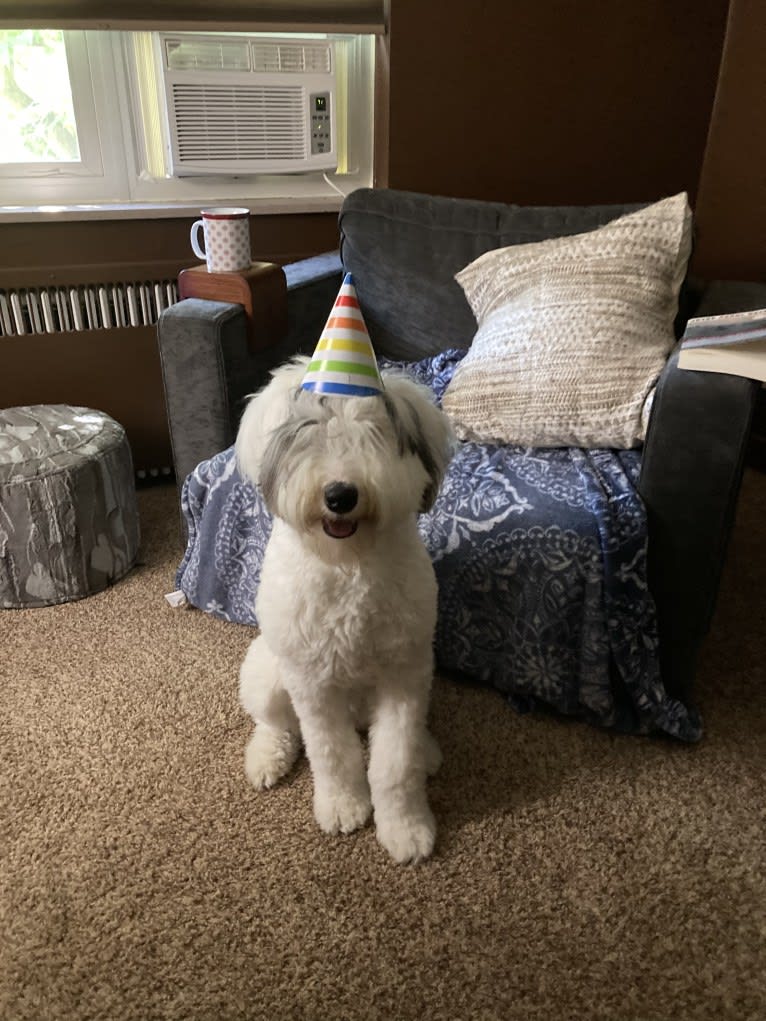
(540, 556)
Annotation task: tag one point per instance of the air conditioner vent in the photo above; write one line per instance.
(200, 54)
(296, 58)
(220, 123)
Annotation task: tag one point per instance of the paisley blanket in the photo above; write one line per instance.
(540, 556)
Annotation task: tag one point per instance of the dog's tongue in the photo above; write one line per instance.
(339, 529)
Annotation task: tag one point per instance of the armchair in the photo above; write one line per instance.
(404, 250)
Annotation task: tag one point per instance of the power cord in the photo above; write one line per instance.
(334, 186)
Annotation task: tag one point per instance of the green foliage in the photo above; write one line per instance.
(42, 124)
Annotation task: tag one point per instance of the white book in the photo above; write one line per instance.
(734, 344)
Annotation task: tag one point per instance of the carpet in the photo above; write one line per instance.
(578, 873)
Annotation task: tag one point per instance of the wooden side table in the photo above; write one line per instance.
(261, 290)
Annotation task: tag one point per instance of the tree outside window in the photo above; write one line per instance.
(36, 98)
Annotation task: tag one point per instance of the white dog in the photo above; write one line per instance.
(347, 600)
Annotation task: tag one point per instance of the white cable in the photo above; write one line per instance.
(334, 186)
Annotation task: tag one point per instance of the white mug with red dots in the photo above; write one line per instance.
(227, 239)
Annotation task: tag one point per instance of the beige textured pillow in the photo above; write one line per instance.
(573, 332)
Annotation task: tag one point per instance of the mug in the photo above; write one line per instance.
(227, 239)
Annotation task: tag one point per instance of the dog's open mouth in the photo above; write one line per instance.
(338, 528)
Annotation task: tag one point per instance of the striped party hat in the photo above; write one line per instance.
(344, 362)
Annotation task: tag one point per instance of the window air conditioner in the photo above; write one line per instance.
(246, 105)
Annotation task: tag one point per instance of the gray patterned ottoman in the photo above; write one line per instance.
(68, 512)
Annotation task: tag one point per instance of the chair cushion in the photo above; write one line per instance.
(404, 250)
(573, 332)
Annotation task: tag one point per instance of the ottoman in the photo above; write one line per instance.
(68, 512)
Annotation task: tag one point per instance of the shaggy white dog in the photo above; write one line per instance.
(347, 600)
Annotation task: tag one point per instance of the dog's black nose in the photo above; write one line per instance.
(340, 497)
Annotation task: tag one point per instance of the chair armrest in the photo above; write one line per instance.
(192, 336)
(312, 287)
(208, 368)
(691, 471)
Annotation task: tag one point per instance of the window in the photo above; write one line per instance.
(66, 146)
(36, 103)
(94, 118)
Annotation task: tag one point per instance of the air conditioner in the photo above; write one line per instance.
(248, 105)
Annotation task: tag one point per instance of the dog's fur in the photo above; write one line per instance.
(347, 601)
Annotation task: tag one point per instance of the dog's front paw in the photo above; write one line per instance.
(407, 838)
(341, 811)
(269, 755)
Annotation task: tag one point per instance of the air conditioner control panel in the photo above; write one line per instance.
(321, 135)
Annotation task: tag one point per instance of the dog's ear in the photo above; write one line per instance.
(266, 411)
(421, 427)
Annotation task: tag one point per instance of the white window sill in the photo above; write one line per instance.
(164, 210)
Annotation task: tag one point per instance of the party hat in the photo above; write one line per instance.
(343, 363)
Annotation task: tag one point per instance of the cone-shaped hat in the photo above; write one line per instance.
(344, 362)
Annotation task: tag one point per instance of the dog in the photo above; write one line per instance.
(347, 600)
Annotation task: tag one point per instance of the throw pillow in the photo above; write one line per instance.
(572, 332)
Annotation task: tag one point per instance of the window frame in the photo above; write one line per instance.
(98, 175)
(116, 176)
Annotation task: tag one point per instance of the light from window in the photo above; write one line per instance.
(36, 105)
(86, 121)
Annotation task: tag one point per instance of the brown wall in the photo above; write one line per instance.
(731, 209)
(594, 101)
(553, 101)
(274, 239)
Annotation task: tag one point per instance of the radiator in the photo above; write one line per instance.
(35, 310)
(93, 344)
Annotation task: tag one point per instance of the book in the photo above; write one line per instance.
(734, 343)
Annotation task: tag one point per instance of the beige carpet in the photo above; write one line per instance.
(578, 875)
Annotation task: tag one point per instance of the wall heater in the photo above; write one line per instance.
(91, 340)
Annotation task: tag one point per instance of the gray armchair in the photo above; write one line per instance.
(403, 250)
